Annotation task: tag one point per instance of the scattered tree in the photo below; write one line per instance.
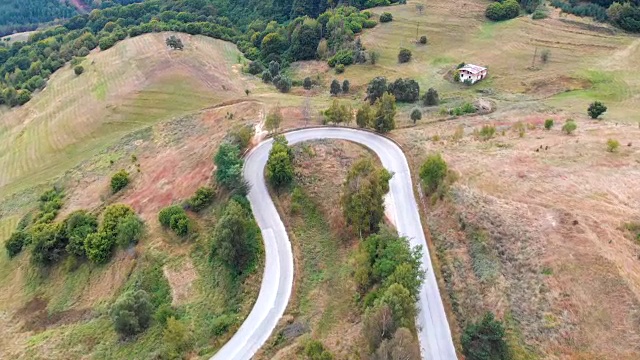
(485, 340)
(433, 172)
(569, 126)
(119, 180)
(431, 98)
(235, 238)
(404, 56)
(16, 242)
(228, 165)
(416, 115)
(507, 9)
(363, 196)
(373, 57)
(201, 199)
(596, 109)
(279, 168)
(78, 70)
(405, 90)
(335, 87)
(384, 120)
(307, 84)
(131, 313)
(548, 124)
(174, 42)
(386, 17)
(612, 145)
(274, 119)
(345, 86)
(365, 116)
(377, 86)
(338, 113)
(402, 346)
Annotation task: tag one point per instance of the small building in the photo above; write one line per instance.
(473, 73)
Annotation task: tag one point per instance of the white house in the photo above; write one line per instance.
(471, 72)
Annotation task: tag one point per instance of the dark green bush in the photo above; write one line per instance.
(131, 313)
(404, 56)
(201, 199)
(165, 215)
(16, 242)
(119, 180)
(78, 70)
(433, 172)
(175, 218)
(507, 9)
(49, 242)
(485, 340)
(78, 225)
(405, 90)
(386, 17)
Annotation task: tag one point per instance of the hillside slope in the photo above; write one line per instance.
(138, 82)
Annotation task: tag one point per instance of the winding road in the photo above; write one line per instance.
(434, 333)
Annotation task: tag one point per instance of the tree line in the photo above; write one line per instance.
(26, 66)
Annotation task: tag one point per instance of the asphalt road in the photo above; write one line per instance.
(434, 333)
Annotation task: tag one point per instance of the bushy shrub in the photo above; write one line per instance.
(404, 56)
(266, 76)
(346, 86)
(255, 68)
(596, 109)
(307, 83)
(507, 9)
(16, 242)
(423, 40)
(78, 225)
(49, 242)
(376, 88)
(569, 126)
(416, 115)
(78, 70)
(203, 197)
(485, 340)
(129, 230)
(282, 83)
(228, 166)
(279, 169)
(431, 98)
(612, 145)
(548, 124)
(432, 172)
(119, 180)
(405, 90)
(386, 17)
(131, 313)
(315, 350)
(335, 87)
(98, 247)
(339, 68)
(344, 57)
(175, 218)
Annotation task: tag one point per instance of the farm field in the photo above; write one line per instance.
(545, 214)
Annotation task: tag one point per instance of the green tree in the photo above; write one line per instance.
(363, 196)
(569, 126)
(49, 242)
(401, 303)
(174, 42)
(119, 180)
(384, 120)
(376, 88)
(315, 350)
(346, 86)
(335, 87)
(378, 325)
(78, 225)
(612, 145)
(273, 44)
(403, 346)
(131, 313)
(305, 39)
(235, 239)
(274, 119)
(307, 84)
(365, 116)
(338, 113)
(98, 247)
(274, 68)
(405, 90)
(404, 56)
(16, 242)
(175, 218)
(176, 337)
(386, 17)
(416, 115)
(129, 230)
(433, 172)
(279, 169)
(431, 98)
(485, 340)
(548, 124)
(228, 165)
(596, 109)
(201, 199)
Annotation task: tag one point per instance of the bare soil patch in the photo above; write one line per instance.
(181, 281)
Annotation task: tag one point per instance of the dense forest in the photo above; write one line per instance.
(25, 66)
(624, 14)
(19, 15)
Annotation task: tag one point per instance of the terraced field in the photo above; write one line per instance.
(135, 84)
